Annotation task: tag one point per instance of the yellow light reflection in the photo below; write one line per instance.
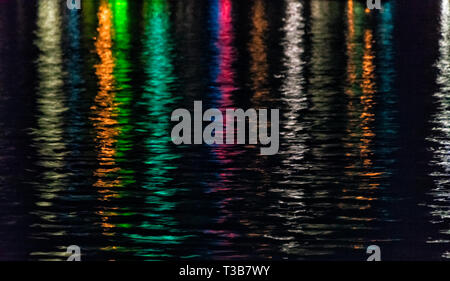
(361, 88)
(104, 117)
(258, 51)
(103, 110)
(367, 100)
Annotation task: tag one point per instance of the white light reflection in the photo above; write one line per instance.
(440, 138)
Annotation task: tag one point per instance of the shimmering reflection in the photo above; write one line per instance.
(75, 79)
(105, 122)
(360, 89)
(320, 196)
(293, 94)
(261, 98)
(258, 52)
(116, 214)
(158, 232)
(223, 75)
(224, 35)
(124, 95)
(440, 140)
(388, 127)
(76, 121)
(291, 206)
(49, 135)
(371, 128)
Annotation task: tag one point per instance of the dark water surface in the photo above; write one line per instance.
(86, 156)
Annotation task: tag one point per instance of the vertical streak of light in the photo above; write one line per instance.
(103, 116)
(223, 73)
(259, 74)
(442, 119)
(158, 98)
(352, 61)
(294, 98)
(367, 100)
(293, 94)
(49, 136)
(124, 94)
(115, 100)
(352, 78)
(104, 120)
(361, 89)
(388, 98)
(258, 51)
(227, 53)
(386, 124)
(350, 47)
(440, 139)
(159, 229)
(74, 67)
(74, 79)
(223, 76)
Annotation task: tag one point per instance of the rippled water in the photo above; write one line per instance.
(86, 156)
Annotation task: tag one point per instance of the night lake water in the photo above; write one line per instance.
(87, 159)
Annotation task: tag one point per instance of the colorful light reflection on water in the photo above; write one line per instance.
(86, 156)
